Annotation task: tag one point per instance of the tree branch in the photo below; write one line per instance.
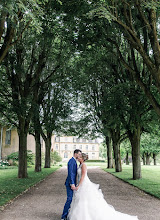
(20, 35)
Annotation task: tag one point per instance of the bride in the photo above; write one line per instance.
(88, 202)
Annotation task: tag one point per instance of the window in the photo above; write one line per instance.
(56, 146)
(57, 139)
(74, 147)
(66, 139)
(93, 147)
(65, 155)
(93, 155)
(66, 146)
(77, 140)
(80, 147)
(8, 137)
(86, 147)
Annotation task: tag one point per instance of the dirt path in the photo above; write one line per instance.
(46, 200)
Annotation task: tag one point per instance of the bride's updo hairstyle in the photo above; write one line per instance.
(84, 156)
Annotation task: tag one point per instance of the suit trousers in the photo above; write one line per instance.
(68, 202)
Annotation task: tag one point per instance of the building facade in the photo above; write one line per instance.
(66, 145)
(9, 142)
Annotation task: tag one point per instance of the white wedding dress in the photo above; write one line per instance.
(89, 204)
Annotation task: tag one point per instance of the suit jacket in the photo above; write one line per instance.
(72, 172)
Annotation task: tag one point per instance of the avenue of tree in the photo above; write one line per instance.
(82, 68)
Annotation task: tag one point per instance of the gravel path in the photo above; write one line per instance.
(45, 201)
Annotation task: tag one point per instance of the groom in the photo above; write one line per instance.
(71, 181)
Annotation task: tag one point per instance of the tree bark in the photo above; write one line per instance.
(127, 158)
(144, 159)
(109, 152)
(115, 134)
(48, 151)
(134, 137)
(148, 155)
(155, 159)
(38, 151)
(22, 167)
(37, 129)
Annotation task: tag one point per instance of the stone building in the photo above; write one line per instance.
(67, 144)
(9, 143)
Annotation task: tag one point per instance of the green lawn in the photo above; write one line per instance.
(11, 186)
(149, 183)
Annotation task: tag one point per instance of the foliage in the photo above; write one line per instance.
(4, 163)
(103, 151)
(94, 68)
(14, 157)
(55, 157)
(150, 143)
(16, 17)
(125, 147)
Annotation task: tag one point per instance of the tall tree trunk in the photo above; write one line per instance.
(38, 151)
(144, 158)
(115, 134)
(134, 137)
(109, 152)
(37, 129)
(148, 155)
(48, 151)
(22, 167)
(155, 159)
(127, 158)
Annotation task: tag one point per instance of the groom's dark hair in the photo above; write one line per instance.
(77, 151)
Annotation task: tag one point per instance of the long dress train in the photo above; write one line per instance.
(89, 204)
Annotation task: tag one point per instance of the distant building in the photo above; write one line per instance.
(66, 145)
(9, 142)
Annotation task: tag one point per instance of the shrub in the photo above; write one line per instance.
(55, 157)
(14, 157)
(30, 158)
(4, 163)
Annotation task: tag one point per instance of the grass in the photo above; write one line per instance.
(99, 164)
(11, 186)
(149, 183)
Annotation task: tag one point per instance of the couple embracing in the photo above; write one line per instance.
(85, 200)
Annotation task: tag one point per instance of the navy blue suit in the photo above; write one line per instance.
(71, 179)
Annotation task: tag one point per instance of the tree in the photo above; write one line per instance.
(14, 23)
(29, 66)
(56, 107)
(24, 68)
(138, 23)
(126, 146)
(103, 151)
(150, 147)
